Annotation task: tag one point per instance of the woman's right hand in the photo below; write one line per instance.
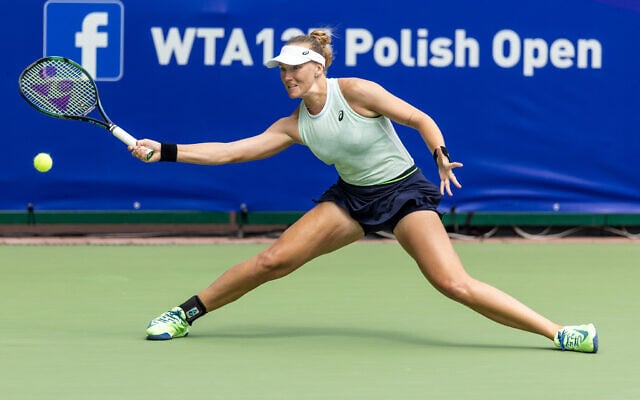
(142, 147)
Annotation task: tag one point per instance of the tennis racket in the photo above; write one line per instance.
(61, 88)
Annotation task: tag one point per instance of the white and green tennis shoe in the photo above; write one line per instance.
(169, 325)
(583, 338)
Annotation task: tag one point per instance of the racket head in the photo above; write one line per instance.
(59, 87)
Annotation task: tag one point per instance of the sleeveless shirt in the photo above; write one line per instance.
(365, 151)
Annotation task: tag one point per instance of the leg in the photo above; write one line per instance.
(423, 236)
(324, 229)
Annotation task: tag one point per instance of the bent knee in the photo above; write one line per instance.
(460, 290)
(273, 264)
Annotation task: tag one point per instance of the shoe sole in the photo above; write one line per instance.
(164, 336)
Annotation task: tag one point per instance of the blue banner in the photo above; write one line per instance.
(539, 100)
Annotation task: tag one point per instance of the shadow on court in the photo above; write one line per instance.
(263, 332)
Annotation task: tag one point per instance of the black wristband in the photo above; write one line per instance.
(444, 153)
(168, 152)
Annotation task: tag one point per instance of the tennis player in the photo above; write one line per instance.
(346, 122)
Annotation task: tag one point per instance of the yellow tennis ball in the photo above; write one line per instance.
(43, 162)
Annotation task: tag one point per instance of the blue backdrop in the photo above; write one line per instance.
(540, 100)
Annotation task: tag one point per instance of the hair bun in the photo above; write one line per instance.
(321, 36)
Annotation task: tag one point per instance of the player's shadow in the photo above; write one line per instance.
(278, 332)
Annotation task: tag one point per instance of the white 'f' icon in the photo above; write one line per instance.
(89, 40)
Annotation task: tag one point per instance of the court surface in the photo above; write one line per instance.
(361, 323)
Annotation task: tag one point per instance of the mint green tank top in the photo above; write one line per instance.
(365, 151)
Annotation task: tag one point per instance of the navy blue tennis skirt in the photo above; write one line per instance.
(381, 207)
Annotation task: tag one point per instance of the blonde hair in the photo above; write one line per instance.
(318, 41)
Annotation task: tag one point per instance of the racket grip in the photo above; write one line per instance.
(127, 139)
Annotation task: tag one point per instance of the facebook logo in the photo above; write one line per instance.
(90, 33)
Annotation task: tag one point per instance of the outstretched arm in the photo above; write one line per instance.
(272, 141)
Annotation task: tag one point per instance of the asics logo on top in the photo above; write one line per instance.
(90, 33)
(575, 340)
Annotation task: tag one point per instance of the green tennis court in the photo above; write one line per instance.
(360, 323)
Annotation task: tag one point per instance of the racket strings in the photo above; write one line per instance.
(59, 88)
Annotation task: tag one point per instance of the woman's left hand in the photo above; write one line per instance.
(445, 170)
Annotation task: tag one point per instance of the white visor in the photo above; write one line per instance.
(295, 55)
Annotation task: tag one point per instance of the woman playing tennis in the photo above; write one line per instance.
(346, 122)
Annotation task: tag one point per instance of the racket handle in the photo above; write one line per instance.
(126, 138)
